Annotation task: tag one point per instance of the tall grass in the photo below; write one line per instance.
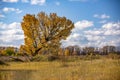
(81, 69)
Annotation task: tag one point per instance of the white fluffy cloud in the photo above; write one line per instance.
(34, 2)
(103, 16)
(11, 1)
(11, 33)
(38, 2)
(94, 32)
(110, 42)
(83, 24)
(76, 38)
(112, 26)
(112, 32)
(112, 29)
(107, 34)
(94, 37)
(7, 9)
(73, 37)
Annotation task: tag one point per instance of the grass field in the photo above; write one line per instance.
(98, 69)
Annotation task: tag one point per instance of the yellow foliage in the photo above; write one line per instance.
(67, 52)
(2, 52)
(41, 30)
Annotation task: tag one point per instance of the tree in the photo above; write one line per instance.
(44, 32)
(89, 50)
(67, 52)
(71, 49)
(61, 52)
(76, 50)
(108, 49)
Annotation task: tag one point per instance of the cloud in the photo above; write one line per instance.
(103, 16)
(112, 32)
(83, 24)
(107, 34)
(94, 37)
(112, 26)
(106, 29)
(73, 37)
(2, 16)
(77, 38)
(113, 42)
(38, 2)
(11, 1)
(11, 33)
(6, 9)
(94, 32)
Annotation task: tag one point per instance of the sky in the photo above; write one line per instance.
(97, 22)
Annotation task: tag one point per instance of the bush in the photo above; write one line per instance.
(52, 57)
(91, 57)
(9, 52)
(45, 58)
(113, 56)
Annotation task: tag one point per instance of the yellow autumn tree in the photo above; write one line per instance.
(44, 32)
(67, 52)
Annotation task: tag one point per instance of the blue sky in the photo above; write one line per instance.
(97, 22)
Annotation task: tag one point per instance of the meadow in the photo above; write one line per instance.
(80, 69)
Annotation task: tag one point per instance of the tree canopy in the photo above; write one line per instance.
(44, 32)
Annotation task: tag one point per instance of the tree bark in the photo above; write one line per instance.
(36, 52)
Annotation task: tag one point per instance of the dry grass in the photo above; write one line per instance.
(100, 69)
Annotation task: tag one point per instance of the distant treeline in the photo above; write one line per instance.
(70, 50)
(76, 50)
